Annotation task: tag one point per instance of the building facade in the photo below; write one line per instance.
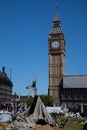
(73, 90)
(5, 87)
(65, 89)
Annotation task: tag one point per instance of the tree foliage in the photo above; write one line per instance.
(46, 99)
(28, 101)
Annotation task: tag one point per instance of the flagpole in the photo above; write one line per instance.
(34, 92)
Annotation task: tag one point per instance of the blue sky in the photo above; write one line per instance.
(24, 30)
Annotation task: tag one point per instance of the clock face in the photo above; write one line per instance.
(55, 44)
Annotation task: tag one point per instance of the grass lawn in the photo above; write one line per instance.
(71, 124)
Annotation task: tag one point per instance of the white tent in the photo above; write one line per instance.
(54, 109)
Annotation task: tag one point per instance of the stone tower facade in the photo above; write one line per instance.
(56, 53)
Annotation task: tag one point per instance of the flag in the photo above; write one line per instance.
(34, 83)
(27, 87)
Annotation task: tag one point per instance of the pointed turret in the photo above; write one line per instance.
(56, 18)
(56, 28)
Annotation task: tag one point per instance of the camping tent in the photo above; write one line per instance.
(37, 113)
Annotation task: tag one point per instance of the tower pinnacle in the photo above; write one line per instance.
(56, 18)
(56, 28)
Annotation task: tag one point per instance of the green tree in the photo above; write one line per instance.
(47, 100)
(28, 101)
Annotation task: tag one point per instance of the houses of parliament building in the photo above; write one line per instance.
(65, 89)
(5, 87)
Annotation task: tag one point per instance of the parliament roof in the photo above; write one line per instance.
(75, 81)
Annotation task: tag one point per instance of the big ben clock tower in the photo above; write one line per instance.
(56, 52)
